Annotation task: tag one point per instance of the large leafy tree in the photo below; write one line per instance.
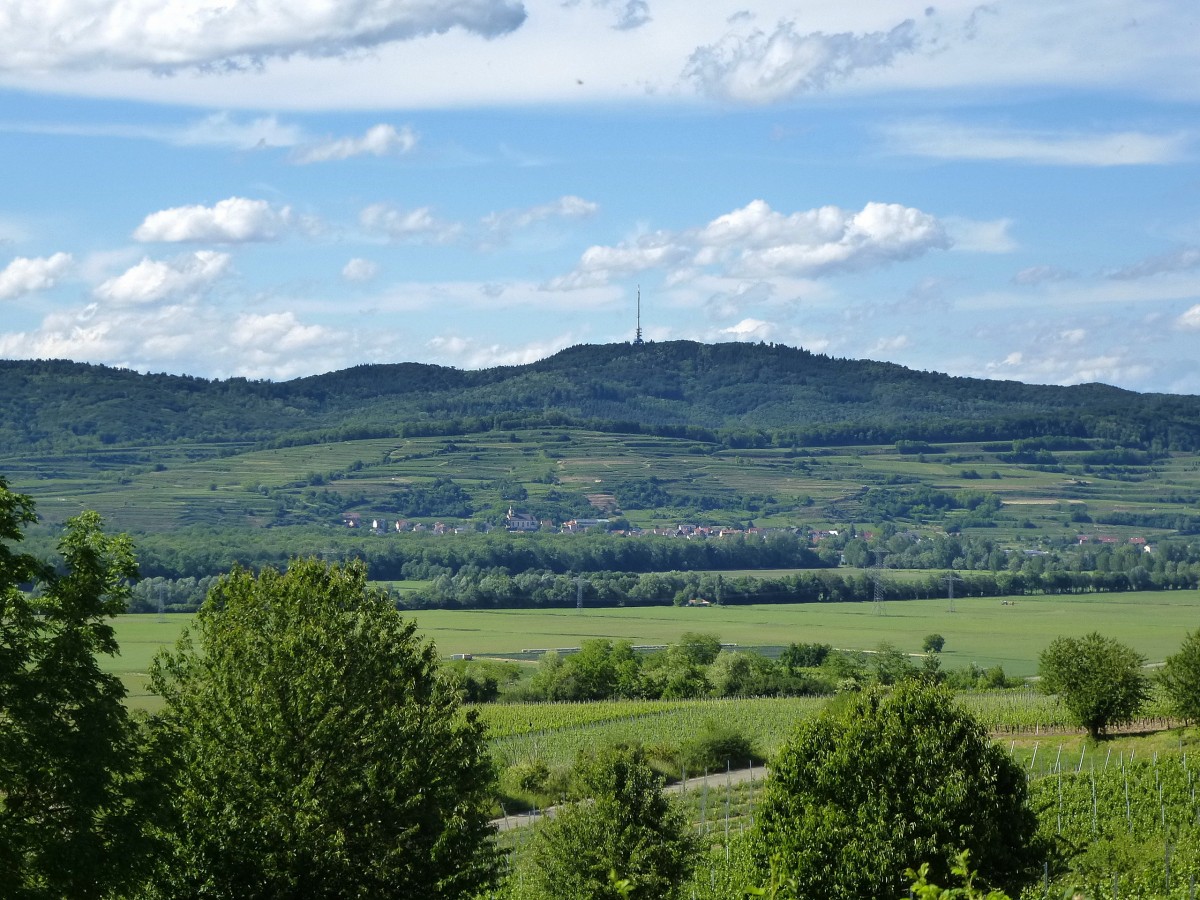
(1180, 676)
(72, 803)
(319, 754)
(622, 838)
(1100, 680)
(886, 780)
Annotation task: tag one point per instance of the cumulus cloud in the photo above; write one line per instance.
(232, 221)
(151, 281)
(380, 140)
(765, 68)
(939, 139)
(24, 275)
(470, 353)
(186, 337)
(359, 269)
(162, 35)
(1181, 260)
(756, 241)
(419, 225)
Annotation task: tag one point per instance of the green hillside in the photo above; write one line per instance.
(658, 436)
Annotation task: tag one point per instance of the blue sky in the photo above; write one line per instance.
(284, 187)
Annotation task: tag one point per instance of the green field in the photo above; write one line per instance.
(982, 631)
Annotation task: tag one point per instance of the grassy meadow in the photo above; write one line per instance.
(984, 631)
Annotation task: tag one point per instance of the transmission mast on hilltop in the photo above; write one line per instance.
(638, 337)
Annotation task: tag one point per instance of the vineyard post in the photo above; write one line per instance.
(1095, 807)
(752, 793)
(704, 804)
(1059, 829)
(728, 793)
(1082, 753)
(1128, 810)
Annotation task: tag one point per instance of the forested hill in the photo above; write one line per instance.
(737, 393)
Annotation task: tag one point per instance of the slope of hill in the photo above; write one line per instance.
(741, 394)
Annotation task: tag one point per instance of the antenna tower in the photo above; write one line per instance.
(950, 579)
(638, 337)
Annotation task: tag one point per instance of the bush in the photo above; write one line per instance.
(884, 780)
(717, 747)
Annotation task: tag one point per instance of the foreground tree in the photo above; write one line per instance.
(71, 811)
(884, 781)
(1180, 677)
(1099, 679)
(319, 754)
(623, 838)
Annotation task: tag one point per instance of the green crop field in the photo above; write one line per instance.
(986, 632)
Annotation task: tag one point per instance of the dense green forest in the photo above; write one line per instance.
(740, 394)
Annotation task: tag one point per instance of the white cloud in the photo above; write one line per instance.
(1041, 274)
(379, 140)
(470, 353)
(980, 237)
(419, 224)
(749, 330)
(151, 281)
(630, 13)
(765, 68)
(945, 140)
(1065, 368)
(887, 345)
(1183, 259)
(757, 240)
(187, 337)
(235, 220)
(359, 269)
(224, 130)
(565, 207)
(24, 275)
(1190, 319)
(163, 35)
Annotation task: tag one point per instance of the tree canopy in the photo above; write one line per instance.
(886, 780)
(622, 838)
(1180, 676)
(72, 816)
(1100, 680)
(318, 752)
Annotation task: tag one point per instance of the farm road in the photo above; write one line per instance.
(714, 780)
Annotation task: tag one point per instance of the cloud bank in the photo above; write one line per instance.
(166, 35)
(757, 241)
(766, 68)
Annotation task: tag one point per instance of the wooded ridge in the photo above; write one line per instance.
(738, 394)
